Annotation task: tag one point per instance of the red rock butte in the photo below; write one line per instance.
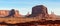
(6, 12)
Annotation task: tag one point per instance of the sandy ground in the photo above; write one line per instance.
(14, 20)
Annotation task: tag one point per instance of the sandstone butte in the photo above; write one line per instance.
(39, 12)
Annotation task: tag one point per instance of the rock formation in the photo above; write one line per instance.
(39, 11)
(6, 12)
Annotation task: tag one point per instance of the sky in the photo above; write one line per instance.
(25, 6)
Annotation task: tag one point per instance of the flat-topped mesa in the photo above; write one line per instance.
(6, 12)
(39, 11)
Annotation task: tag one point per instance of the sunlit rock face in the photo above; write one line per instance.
(39, 11)
(6, 12)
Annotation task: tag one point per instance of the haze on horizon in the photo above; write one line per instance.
(25, 6)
